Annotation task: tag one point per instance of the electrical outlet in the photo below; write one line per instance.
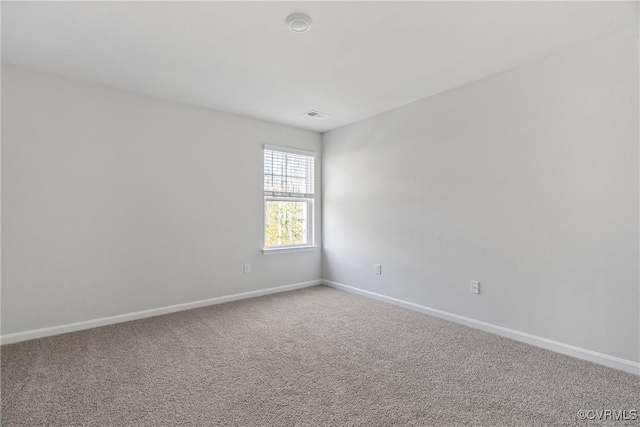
(475, 287)
(247, 268)
(379, 269)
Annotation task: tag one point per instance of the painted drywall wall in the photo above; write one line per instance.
(114, 202)
(526, 181)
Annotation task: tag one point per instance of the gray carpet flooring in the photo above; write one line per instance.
(312, 357)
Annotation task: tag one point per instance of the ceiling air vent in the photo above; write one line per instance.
(317, 114)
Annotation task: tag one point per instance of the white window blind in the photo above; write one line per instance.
(288, 174)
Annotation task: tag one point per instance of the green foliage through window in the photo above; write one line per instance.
(285, 223)
(288, 194)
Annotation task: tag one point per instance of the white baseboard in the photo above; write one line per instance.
(103, 321)
(570, 350)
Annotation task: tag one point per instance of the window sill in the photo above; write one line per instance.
(288, 249)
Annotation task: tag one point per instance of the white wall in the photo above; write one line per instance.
(526, 181)
(115, 202)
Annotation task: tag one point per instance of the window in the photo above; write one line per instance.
(288, 197)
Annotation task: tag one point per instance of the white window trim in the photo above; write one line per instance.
(311, 238)
(288, 249)
(290, 150)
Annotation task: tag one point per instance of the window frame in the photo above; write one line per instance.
(309, 221)
(310, 211)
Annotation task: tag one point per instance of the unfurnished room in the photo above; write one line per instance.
(332, 213)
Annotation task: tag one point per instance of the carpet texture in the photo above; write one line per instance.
(312, 357)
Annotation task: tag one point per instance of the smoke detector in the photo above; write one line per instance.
(317, 114)
(298, 22)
